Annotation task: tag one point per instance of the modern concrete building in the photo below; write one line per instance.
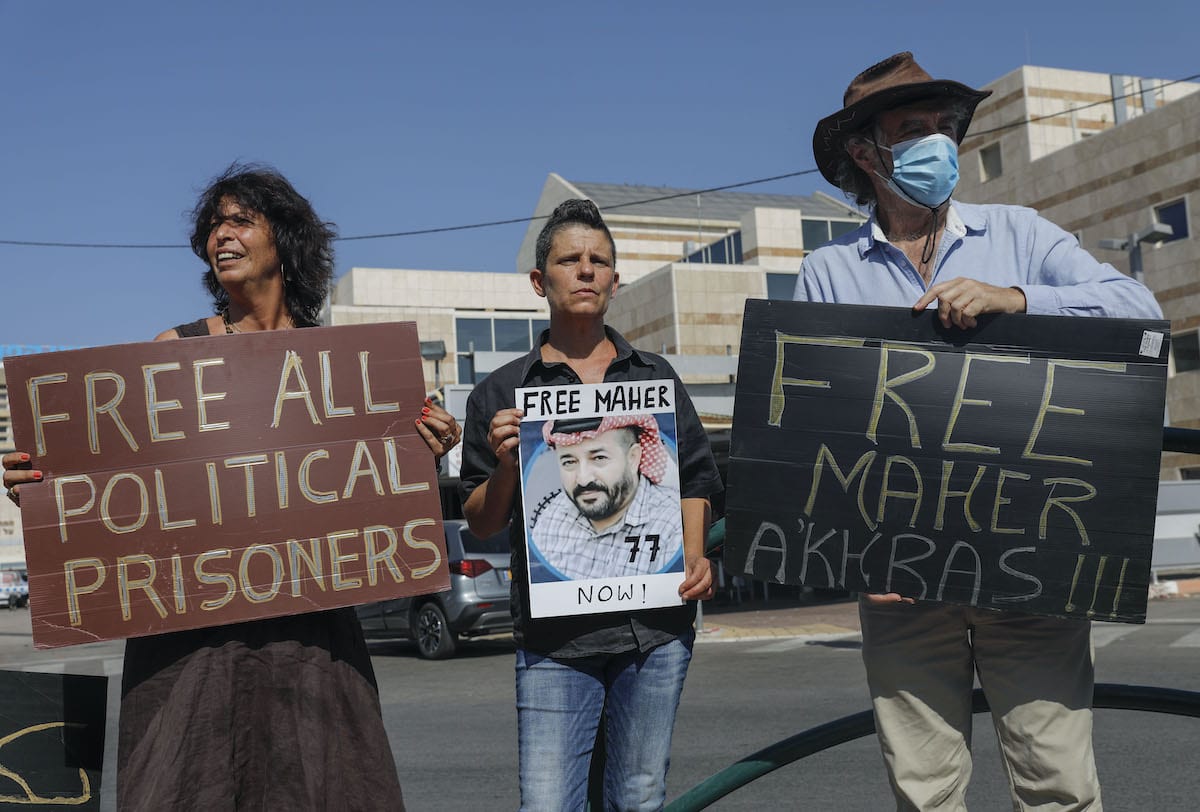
(654, 225)
(468, 311)
(688, 261)
(1106, 157)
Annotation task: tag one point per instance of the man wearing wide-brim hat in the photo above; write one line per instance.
(894, 147)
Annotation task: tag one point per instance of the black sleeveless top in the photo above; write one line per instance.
(193, 329)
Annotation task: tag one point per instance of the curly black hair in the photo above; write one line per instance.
(304, 241)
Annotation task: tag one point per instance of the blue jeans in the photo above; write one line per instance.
(559, 703)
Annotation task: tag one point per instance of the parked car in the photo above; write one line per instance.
(476, 603)
(14, 589)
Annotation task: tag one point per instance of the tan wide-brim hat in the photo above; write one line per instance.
(894, 82)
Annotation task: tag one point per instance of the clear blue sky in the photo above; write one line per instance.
(396, 116)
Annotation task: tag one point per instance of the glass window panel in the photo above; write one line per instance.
(512, 335)
(537, 326)
(1186, 349)
(840, 227)
(477, 330)
(737, 248)
(464, 369)
(781, 285)
(1174, 215)
(990, 164)
(814, 233)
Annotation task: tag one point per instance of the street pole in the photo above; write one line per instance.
(1135, 258)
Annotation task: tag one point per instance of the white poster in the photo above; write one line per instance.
(600, 488)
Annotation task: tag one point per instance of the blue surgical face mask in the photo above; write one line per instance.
(924, 170)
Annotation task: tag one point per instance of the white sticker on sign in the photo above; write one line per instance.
(1151, 344)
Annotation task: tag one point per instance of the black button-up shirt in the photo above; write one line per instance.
(584, 635)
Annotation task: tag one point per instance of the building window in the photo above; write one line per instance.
(466, 370)
(814, 233)
(725, 251)
(473, 334)
(990, 166)
(837, 228)
(1189, 473)
(511, 335)
(781, 286)
(1185, 351)
(1175, 215)
(491, 335)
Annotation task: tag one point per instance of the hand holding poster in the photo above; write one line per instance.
(600, 490)
(1011, 466)
(212, 480)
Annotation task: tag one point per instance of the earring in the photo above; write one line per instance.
(283, 272)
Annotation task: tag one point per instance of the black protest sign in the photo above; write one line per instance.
(1012, 466)
(51, 739)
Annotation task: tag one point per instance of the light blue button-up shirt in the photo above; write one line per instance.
(1006, 246)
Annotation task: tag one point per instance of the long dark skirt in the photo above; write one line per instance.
(271, 714)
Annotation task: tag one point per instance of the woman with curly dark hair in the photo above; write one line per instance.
(270, 714)
(298, 263)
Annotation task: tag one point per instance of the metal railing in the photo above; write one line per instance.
(814, 740)
(1185, 441)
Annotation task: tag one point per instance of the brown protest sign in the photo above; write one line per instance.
(213, 480)
(1011, 466)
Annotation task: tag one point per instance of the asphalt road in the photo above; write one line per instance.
(453, 727)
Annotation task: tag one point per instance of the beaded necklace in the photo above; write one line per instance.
(230, 327)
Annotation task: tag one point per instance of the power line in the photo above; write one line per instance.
(441, 229)
(38, 244)
(659, 199)
(514, 220)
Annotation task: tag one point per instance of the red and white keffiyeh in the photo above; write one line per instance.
(654, 453)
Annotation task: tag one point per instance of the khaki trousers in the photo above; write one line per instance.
(1037, 674)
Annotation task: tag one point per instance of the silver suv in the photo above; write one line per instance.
(476, 603)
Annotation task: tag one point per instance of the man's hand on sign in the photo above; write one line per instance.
(961, 299)
(504, 435)
(18, 470)
(697, 579)
(887, 597)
